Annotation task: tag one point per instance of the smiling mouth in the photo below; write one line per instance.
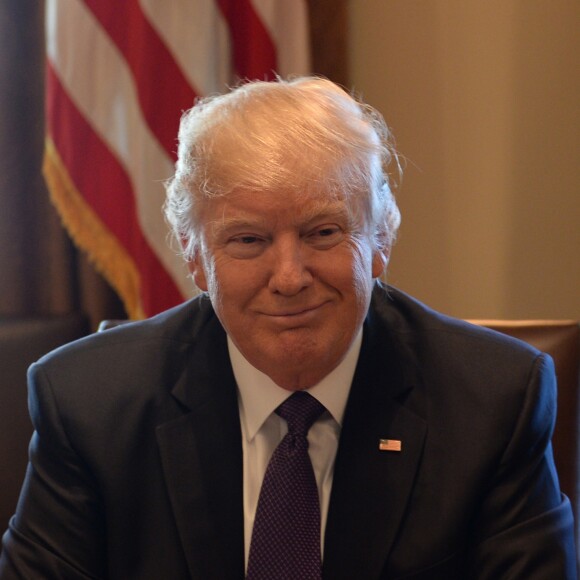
(292, 314)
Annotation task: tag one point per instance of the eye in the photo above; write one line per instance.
(245, 246)
(246, 240)
(326, 232)
(326, 236)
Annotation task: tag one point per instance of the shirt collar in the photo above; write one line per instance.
(259, 396)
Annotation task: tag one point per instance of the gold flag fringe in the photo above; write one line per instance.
(89, 233)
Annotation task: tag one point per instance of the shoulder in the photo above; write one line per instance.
(176, 328)
(456, 364)
(429, 332)
(138, 361)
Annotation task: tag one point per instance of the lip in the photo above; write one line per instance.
(295, 314)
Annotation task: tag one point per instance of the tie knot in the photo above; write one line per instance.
(300, 411)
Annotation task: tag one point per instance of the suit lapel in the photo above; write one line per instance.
(371, 487)
(202, 460)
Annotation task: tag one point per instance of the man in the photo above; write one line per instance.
(154, 442)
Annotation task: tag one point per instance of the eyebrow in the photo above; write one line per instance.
(224, 225)
(325, 209)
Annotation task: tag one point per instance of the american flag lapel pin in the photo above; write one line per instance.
(389, 445)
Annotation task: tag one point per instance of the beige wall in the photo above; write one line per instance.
(484, 100)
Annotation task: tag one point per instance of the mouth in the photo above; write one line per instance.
(297, 312)
(295, 315)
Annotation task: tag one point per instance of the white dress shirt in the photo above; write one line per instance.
(262, 429)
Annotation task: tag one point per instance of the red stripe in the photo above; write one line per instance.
(164, 92)
(253, 51)
(106, 187)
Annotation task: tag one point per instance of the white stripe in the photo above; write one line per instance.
(196, 34)
(287, 23)
(99, 82)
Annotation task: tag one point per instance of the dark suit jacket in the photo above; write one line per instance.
(136, 463)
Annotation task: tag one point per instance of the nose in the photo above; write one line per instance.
(290, 272)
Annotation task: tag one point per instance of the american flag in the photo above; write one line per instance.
(119, 75)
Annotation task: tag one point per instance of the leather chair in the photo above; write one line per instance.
(561, 340)
(22, 341)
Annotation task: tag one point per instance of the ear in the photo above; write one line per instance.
(197, 268)
(380, 261)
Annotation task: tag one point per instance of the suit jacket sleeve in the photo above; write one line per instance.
(58, 529)
(525, 527)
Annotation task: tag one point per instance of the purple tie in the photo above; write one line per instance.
(286, 536)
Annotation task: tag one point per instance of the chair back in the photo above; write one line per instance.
(561, 340)
(22, 341)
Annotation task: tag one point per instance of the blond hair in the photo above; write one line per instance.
(304, 135)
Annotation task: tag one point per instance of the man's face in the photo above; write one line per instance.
(290, 278)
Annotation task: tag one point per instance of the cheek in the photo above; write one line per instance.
(232, 282)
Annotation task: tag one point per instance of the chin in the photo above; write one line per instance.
(306, 360)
